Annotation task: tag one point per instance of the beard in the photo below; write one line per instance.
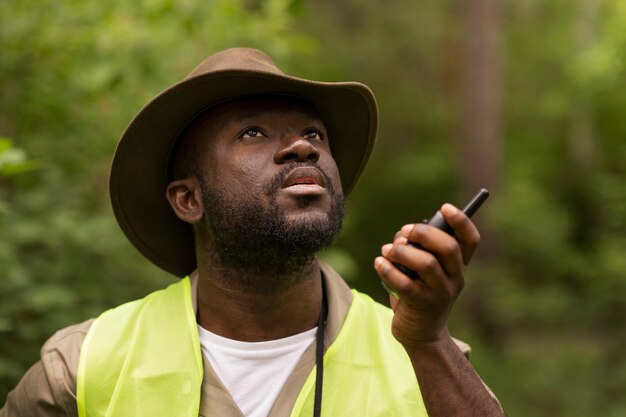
(258, 239)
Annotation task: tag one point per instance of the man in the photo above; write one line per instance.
(234, 178)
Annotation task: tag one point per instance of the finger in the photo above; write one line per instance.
(423, 263)
(403, 286)
(466, 232)
(443, 246)
(398, 237)
(393, 302)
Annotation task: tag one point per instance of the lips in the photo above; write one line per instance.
(306, 176)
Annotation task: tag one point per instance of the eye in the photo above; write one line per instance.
(313, 133)
(251, 132)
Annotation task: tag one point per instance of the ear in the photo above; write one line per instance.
(185, 197)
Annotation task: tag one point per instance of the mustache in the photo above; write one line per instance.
(276, 183)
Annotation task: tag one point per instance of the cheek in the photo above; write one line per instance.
(330, 168)
(249, 167)
(242, 172)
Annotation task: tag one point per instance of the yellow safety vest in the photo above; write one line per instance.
(143, 359)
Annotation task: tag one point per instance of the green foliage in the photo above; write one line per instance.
(543, 306)
(72, 75)
(13, 160)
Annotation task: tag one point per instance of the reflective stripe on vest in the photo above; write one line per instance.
(143, 359)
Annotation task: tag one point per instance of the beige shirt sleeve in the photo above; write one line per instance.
(48, 389)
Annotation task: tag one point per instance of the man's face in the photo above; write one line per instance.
(270, 184)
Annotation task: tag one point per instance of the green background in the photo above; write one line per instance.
(527, 98)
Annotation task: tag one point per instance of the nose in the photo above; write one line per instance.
(297, 149)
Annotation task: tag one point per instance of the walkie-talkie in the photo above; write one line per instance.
(438, 221)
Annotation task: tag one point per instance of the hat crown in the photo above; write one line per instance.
(236, 59)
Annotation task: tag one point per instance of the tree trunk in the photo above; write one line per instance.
(479, 142)
(479, 133)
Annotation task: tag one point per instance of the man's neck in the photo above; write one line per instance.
(230, 307)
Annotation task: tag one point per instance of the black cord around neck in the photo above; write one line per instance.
(319, 354)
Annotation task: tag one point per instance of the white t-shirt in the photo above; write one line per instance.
(254, 372)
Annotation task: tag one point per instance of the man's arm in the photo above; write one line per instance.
(48, 388)
(449, 384)
(33, 396)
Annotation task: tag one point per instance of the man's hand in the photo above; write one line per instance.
(422, 309)
(449, 384)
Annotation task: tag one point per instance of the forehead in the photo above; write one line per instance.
(251, 107)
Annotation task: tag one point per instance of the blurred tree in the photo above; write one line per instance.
(548, 76)
(550, 336)
(479, 134)
(72, 75)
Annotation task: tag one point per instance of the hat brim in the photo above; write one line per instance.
(139, 171)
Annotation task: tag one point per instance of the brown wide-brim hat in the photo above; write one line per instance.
(139, 176)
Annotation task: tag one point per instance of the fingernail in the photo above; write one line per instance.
(406, 229)
(448, 209)
(401, 240)
(385, 249)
